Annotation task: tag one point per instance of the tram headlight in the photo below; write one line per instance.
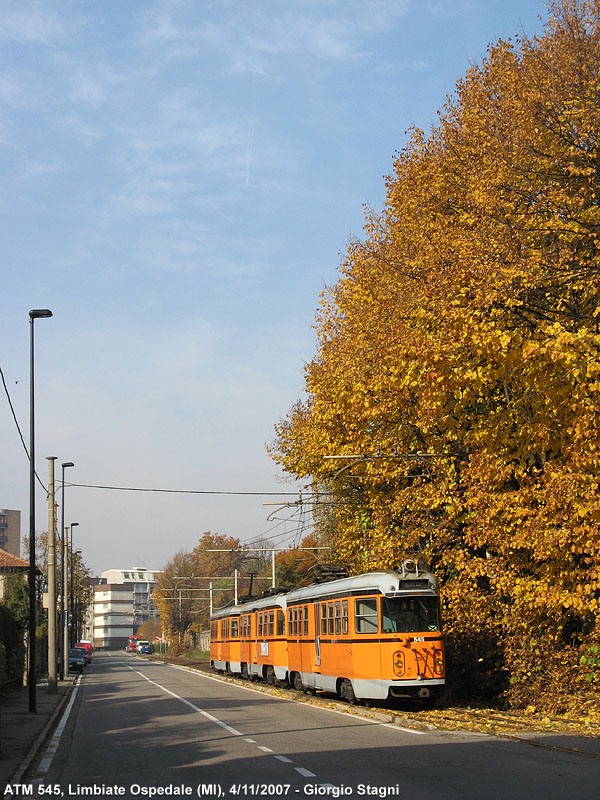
(399, 663)
(438, 661)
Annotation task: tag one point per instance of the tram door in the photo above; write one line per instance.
(317, 635)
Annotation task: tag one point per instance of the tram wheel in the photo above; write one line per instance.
(346, 692)
(270, 676)
(245, 675)
(297, 682)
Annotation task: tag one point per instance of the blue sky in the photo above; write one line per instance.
(179, 180)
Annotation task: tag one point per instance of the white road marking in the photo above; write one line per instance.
(304, 772)
(391, 725)
(204, 713)
(46, 761)
(400, 728)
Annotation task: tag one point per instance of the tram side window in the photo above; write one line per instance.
(290, 613)
(330, 618)
(271, 623)
(260, 624)
(280, 623)
(306, 620)
(323, 619)
(234, 628)
(344, 616)
(365, 615)
(338, 617)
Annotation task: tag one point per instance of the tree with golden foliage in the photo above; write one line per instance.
(296, 567)
(182, 588)
(458, 363)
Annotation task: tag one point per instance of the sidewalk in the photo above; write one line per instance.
(22, 733)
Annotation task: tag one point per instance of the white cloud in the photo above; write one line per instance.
(46, 163)
(32, 24)
(148, 196)
(86, 132)
(250, 38)
(14, 92)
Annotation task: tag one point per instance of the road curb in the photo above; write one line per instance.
(21, 770)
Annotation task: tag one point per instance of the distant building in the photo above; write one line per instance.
(113, 615)
(10, 531)
(122, 602)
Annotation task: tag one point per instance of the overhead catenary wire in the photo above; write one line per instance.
(159, 490)
(305, 497)
(12, 409)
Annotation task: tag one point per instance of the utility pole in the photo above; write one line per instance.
(52, 668)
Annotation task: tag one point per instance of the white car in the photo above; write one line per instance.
(143, 647)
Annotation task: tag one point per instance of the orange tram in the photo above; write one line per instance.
(369, 637)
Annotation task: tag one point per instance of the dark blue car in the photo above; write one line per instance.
(77, 660)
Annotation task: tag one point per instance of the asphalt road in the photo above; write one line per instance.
(137, 728)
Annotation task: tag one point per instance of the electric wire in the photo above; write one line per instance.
(179, 491)
(8, 397)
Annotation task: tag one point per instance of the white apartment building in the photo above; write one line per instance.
(113, 615)
(122, 602)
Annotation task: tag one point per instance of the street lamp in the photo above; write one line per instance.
(36, 313)
(64, 650)
(71, 603)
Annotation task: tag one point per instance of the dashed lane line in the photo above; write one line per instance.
(301, 770)
(393, 726)
(306, 773)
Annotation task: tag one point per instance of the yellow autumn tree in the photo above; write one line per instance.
(454, 401)
(185, 587)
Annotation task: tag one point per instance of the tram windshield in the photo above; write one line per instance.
(409, 614)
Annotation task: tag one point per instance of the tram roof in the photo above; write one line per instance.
(255, 604)
(383, 582)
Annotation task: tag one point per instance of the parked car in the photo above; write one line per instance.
(144, 647)
(88, 650)
(77, 660)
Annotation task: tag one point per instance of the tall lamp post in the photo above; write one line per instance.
(64, 649)
(36, 313)
(71, 594)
